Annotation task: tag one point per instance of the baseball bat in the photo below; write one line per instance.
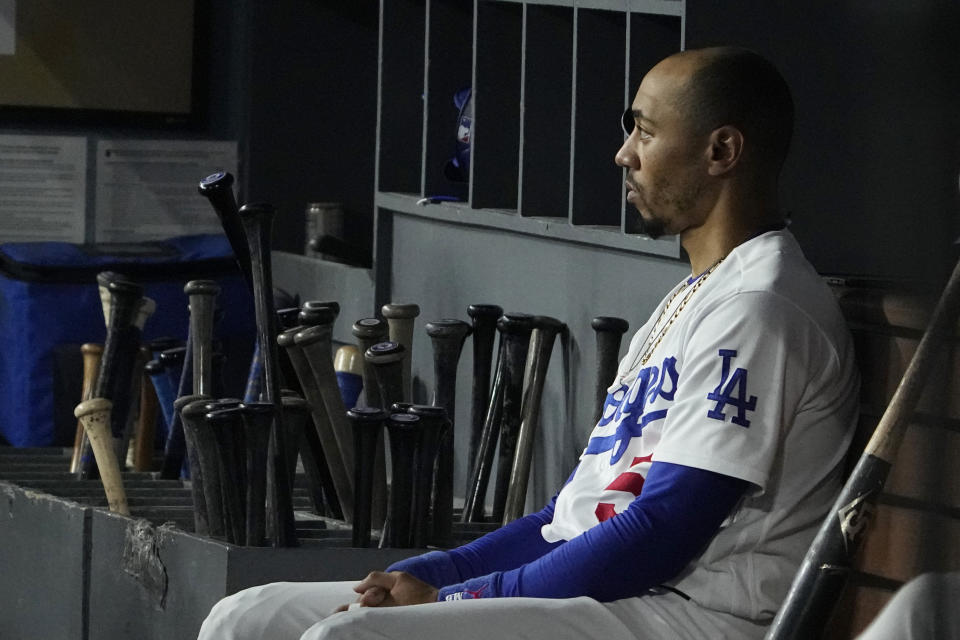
(218, 189)
(119, 354)
(368, 332)
(481, 468)
(484, 318)
(400, 319)
(192, 413)
(124, 453)
(317, 346)
(202, 295)
(288, 319)
(322, 440)
(609, 332)
(435, 429)
(91, 365)
(817, 585)
(404, 432)
(348, 365)
(387, 358)
(296, 411)
(147, 419)
(225, 421)
(257, 221)
(257, 420)
(545, 330)
(95, 415)
(367, 424)
(516, 329)
(447, 337)
(164, 392)
(175, 448)
(196, 459)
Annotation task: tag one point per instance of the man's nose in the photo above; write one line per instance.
(626, 157)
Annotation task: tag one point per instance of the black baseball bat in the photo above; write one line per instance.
(202, 295)
(192, 414)
(176, 448)
(387, 361)
(224, 420)
(609, 332)
(515, 329)
(400, 319)
(199, 463)
(481, 468)
(484, 318)
(368, 332)
(257, 221)
(404, 432)
(432, 518)
(817, 585)
(545, 330)
(367, 425)
(258, 419)
(218, 189)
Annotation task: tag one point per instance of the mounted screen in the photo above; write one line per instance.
(101, 56)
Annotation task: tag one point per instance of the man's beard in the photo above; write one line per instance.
(653, 227)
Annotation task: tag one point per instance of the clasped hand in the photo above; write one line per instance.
(394, 589)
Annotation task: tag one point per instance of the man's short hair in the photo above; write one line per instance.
(739, 87)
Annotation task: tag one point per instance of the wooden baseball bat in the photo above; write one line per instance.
(257, 420)
(91, 365)
(192, 413)
(317, 346)
(348, 366)
(322, 442)
(202, 295)
(516, 329)
(124, 450)
(429, 505)
(387, 361)
(95, 415)
(817, 585)
(404, 432)
(218, 189)
(473, 509)
(545, 330)
(447, 337)
(193, 437)
(175, 448)
(367, 425)
(119, 355)
(225, 421)
(484, 318)
(609, 332)
(368, 332)
(257, 221)
(296, 412)
(164, 393)
(400, 319)
(146, 420)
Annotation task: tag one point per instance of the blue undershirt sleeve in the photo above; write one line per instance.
(676, 515)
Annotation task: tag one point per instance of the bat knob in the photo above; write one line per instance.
(322, 304)
(93, 405)
(448, 328)
(370, 328)
(384, 352)
(215, 181)
(400, 407)
(288, 338)
(609, 324)
(318, 316)
(125, 288)
(484, 311)
(89, 349)
(104, 278)
(173, 357)
(202, 288)
(288, 318)
(514, 322)
(153, 367)
(546, 323)
(162, 344)
(180, 403)
(313, 334)
(393, 311)
(366, 415)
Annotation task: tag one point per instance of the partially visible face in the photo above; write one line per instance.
(663, 154)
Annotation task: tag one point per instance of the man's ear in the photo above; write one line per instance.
(726, 149)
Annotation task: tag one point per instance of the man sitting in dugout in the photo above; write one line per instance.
(721, 443)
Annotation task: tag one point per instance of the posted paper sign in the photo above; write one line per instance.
(43, 188)
(147, 189)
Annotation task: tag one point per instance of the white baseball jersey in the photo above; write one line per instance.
(754, 378)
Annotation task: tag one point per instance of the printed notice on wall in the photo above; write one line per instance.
(147, 189)
(8, 27)
(43, 188)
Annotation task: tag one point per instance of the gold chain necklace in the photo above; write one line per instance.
(654, 338)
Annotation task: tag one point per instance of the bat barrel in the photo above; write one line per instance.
(192, 413)
(609, 332)
(257, 221)
(322, 442)
(296, 412)
(257, 420)
(432, 518)
(404, 431)
(223, 419)
(367, 423)
(199, 464)
(400, 319)
(484, 318)
(542, 338)
(515, 329)
(473, 510)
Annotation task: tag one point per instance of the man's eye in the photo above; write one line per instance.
(644, 134)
